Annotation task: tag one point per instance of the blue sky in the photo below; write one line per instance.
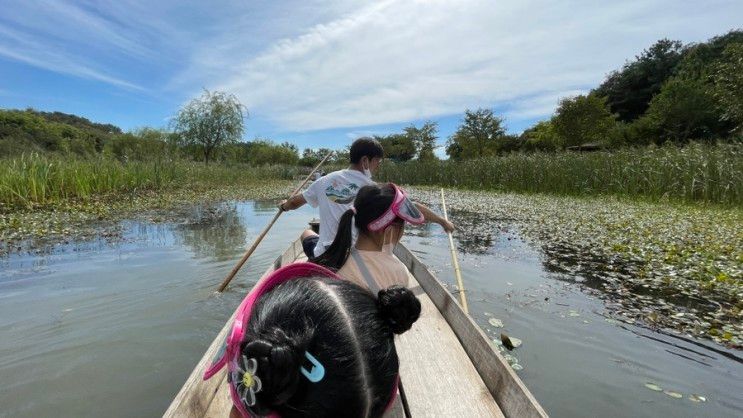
(319, 73)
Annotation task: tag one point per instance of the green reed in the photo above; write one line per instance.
(37, 179)
(697, 172)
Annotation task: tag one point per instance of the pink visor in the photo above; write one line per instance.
(402, 208)
(241, 371)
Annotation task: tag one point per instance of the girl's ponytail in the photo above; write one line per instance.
(399, 308)
(335, 256)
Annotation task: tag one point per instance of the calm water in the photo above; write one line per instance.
(115, 328)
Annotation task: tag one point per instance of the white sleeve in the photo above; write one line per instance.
(312, 192)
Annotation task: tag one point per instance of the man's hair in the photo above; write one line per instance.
(365, 147)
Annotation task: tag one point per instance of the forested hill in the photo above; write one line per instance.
(30, 130)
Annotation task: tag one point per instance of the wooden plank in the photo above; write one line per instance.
(196, 395)
(438, 377)
(504, 385)
(222, 403)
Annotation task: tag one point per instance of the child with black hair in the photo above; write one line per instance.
(379, 214)
(334, 194)
(307, 344)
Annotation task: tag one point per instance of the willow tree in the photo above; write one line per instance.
(210, 121)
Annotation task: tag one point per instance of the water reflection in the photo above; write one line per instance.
(476, 232)
(264, 206)
(216, 232)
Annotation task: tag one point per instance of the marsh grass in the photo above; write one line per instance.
(695, 173)
(33, 180)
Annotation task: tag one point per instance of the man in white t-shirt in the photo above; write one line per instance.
(334, 194)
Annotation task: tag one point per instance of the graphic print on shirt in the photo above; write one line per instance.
(341, 193)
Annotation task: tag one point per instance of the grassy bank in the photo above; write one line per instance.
(36, 180)
(696, 173)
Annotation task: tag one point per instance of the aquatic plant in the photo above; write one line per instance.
(33, 180)
(694, 173)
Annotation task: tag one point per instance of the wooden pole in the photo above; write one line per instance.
(455, 262)
(263, 233)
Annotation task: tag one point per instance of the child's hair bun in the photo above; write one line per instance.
(279, 359)
(399, 307)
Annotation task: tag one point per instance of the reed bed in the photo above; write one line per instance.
(694, 173)
(34, 179)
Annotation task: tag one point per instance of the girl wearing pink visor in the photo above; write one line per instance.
(380, 213)
(306, 344)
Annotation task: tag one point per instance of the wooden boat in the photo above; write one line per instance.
(448, 367)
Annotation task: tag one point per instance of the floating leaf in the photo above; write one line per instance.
(697, 398)
(496, 322)
(517, 366)
(573, 313)
(516, 342)
(673, 394)
(653, 386)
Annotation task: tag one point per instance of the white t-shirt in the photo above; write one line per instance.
(333, 194)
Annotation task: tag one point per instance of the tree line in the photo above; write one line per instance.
(671, 92)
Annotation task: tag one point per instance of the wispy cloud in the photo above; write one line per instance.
(352, 66)
(81, 39)
(21, 48)
(392, 61)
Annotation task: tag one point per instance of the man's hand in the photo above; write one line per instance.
(292, 203)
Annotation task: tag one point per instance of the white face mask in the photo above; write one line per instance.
(392, 236)
(367, 172)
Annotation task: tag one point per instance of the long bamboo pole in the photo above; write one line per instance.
(455, 262)
(263, 233)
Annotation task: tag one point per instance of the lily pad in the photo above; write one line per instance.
(697, 398)
(653, 386)
(573, 313)
(517, 366)
(673, 394)
(496, 322)
(516, 342)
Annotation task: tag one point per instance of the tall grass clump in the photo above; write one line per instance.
(694, 173)
(36, 179)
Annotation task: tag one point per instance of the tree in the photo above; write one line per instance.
(477, 136)
(684, 109)
(629, 90)
(728, 79)
(397, 147)
(583, 119)
(311, 158)
(266, 152)
(210, 121)
(540, 137)
(423, 139)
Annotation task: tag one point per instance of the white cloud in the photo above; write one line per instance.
(394, 61)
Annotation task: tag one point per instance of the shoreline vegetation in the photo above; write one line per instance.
(696, 173)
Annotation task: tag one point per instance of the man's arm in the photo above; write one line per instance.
(431, 216)
(293, 202)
